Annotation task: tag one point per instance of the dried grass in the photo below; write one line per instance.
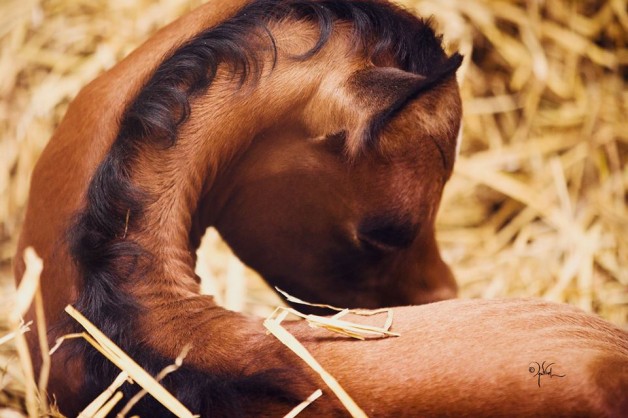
(126, 364)
(537, 203)
(300, 407)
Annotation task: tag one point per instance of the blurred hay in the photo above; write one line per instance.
(537, 203)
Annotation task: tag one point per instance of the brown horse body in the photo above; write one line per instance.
(320, 153)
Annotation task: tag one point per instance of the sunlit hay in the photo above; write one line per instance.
(12, 385)
(543, 158)
(537, 203)
(218, 269)
(35, 402)
(109, 397)
(23, 299)
(22, 328)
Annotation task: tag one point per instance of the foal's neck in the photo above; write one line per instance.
(222, 125)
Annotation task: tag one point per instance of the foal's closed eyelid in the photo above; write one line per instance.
(386, 236)
(374, 246)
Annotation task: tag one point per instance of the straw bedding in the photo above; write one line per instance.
(537, 203)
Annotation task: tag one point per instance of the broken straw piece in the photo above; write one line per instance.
(341, 313)
(100, 401)
(300, 407)
(104, 411)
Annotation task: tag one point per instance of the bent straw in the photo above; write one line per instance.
(324, 322)
(273, 324)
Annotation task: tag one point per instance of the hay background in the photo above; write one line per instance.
(537, 203)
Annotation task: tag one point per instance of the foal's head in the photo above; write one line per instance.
(343, 213)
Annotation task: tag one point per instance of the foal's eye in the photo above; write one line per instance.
(385, 234)
(335, 143)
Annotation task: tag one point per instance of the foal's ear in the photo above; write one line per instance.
(378, 93)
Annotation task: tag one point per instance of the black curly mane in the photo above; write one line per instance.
(107, 259)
